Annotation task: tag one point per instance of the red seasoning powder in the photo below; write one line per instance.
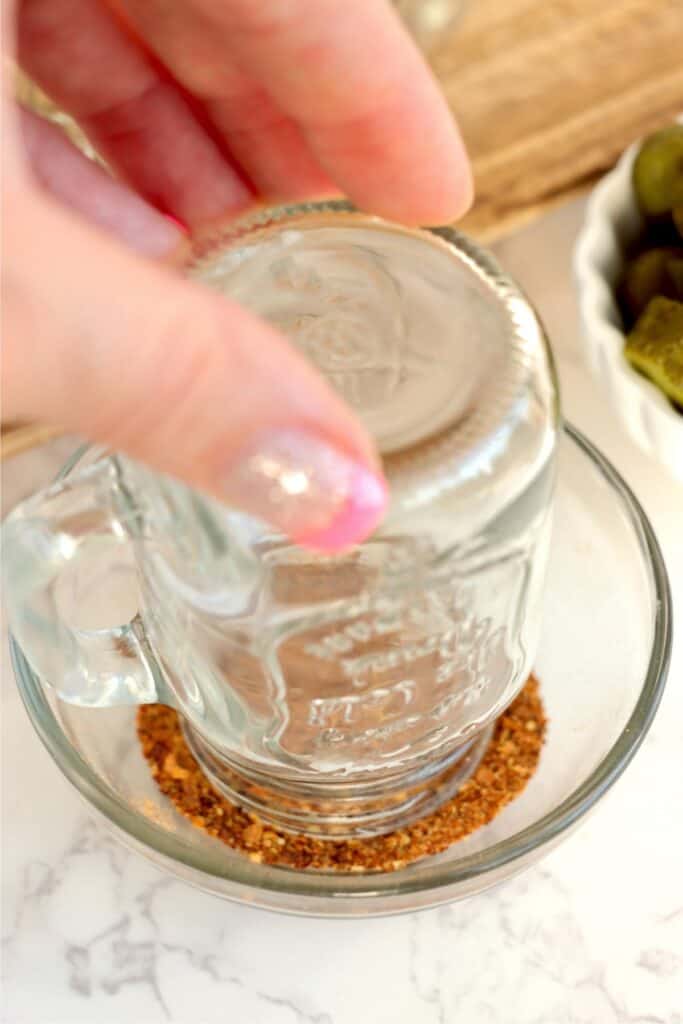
(509, 762)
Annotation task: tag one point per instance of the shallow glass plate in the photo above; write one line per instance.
(604, 654)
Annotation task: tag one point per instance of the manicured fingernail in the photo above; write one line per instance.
(310, 490)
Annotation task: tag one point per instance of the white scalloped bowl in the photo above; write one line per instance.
(612, 222)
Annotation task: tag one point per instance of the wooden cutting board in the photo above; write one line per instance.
(16, 438)
(548, 94)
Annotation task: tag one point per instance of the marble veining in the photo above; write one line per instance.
(592, 935)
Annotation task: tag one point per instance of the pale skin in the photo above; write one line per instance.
(202, 108)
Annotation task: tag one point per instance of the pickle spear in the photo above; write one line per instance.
(655, 346)
(646, 276)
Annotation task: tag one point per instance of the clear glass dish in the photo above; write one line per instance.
(605, 647)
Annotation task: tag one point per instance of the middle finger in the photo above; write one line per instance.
(268, 145)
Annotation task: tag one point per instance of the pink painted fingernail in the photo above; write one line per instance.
(308, 489)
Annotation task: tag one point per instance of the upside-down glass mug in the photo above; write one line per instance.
(337, 695)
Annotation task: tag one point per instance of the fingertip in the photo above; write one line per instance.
(361, 514)
(460, 187)
(444, 200)
(443, 188)
(453, 201)
(307, 487)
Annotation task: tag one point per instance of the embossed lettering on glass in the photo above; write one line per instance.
(342, 695)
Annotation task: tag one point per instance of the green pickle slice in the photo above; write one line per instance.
(658, 172)
(655, 346)
(647, 275)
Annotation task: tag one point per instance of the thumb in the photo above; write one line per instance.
(101, 342)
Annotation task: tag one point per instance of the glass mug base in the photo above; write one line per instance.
(340, 810)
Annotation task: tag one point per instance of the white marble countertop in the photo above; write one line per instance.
(594, 935)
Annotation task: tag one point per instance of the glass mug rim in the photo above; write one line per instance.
(238, 878)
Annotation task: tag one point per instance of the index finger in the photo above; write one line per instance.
(351, 77)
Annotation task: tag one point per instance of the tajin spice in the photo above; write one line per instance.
(508, 764)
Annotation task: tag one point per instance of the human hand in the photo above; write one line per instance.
(201, 108)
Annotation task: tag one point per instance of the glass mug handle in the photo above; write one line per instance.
(50, 542)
